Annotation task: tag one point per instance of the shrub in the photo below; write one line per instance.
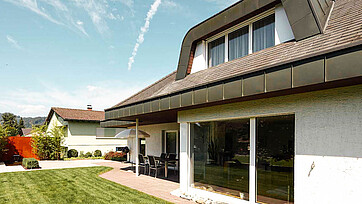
(97, 153)
(88, 154)
(81, 154)
(72, 153)
(115, 156)
(30, 163)
(48, 144)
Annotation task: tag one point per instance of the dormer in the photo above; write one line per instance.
(247, 27)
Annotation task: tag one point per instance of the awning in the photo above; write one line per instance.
(131, 133)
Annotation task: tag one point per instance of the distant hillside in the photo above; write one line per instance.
(29, 121)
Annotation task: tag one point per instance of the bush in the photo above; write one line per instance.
(88, 154)
(30, 163)
(97, 153)
(81, 154)
(115, 156)
(72, 153)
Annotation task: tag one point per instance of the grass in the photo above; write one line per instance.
(76, 185)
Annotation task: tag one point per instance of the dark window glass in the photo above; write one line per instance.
(220, 152)
(275, 159)
(216, 52)
(171, 142)
(263, 33)
(142, 145)
(239, 43)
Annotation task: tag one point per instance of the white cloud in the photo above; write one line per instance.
(169, 4)
(32, 5)
(13, 42)
(144, 29)
(98, 11)
(29, 103)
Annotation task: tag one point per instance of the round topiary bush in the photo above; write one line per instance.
(88, 154)
(72, 153)
(97, 153)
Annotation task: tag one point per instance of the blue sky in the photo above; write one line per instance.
(76, 52)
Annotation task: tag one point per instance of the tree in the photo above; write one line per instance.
(10, 124)
(20, 126)
(3, 141)
(48, 145)
(9, 120)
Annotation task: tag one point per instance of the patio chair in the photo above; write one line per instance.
(172, 163)
(163, 156)
(153, 165)
(142, 163)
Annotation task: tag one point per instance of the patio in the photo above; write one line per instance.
(160, 187)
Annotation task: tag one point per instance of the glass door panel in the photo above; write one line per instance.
(221, 157)
(275, 159)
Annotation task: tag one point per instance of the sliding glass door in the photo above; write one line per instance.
(221, 157)
(220, 153)
(275, 159)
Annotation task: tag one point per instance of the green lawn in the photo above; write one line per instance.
(76, 185)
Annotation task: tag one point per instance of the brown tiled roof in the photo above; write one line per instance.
(77, 114)
(26, 131)
(150, 91)
(344, 29)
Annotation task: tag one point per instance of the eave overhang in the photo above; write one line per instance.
(329, 69)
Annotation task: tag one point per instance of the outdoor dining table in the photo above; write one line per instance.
(166, 161)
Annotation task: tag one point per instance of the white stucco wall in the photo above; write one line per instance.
(328, 133)
(154, 142)
(199, 62)
(82, 136)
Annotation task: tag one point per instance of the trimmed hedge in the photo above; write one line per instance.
(72, 153)
(97, 153)
(30, 163)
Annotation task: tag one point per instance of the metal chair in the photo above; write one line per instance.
(142, 163)
(153, 165)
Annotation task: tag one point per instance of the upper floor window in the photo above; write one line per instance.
(264, 33)
(239, 43)
(255, 35)
(216, 52)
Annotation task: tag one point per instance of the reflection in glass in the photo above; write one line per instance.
(275, 159)
(221, 157)
(171, 142)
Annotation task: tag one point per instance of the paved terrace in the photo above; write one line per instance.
(153, 186)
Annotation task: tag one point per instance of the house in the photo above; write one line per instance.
(26, 132)
(83, 131)
(265, 104)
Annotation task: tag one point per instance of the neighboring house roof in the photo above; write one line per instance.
(76, 114)
(343, 30)
(26, 131)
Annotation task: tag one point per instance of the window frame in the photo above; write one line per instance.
(226, 33)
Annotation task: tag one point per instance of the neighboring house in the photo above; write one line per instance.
(26, 132)
(265, 104)
(83, 131)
